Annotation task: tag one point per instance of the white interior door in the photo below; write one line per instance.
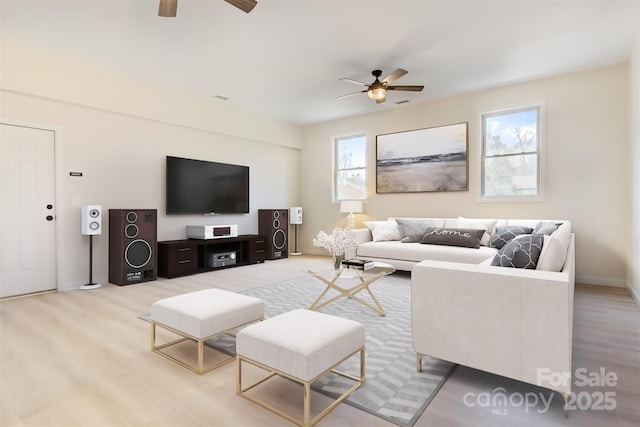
(27, 211)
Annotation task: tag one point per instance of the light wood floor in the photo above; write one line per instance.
(82, 358)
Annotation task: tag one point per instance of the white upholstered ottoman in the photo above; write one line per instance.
(200, 316)
(300, 345)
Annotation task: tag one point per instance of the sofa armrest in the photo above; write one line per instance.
(362, 235)
(508, 321)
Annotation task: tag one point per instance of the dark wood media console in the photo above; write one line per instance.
(192, 256)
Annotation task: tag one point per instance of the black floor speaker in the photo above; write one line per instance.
(274, 225)
(132, 246)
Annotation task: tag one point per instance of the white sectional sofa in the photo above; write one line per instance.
(382, 241)
(513, 322)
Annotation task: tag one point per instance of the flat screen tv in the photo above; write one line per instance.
(202, 187)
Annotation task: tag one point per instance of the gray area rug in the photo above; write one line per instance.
(393, 390)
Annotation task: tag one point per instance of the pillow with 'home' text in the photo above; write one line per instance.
(464, 237)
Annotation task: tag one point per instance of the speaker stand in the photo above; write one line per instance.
(295, 232)
(90, 285)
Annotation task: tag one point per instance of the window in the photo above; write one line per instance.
(350, 167)
(511, 160)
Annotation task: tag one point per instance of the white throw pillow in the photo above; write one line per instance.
(479, 224)
(554, 249)
(383, 230)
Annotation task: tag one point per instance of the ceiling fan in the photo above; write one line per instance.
(168, 8)
(378, 89)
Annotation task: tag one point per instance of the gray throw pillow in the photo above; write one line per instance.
(464, 237)
(521, 252)
(412, 230)
(506, 233)
(545, 228)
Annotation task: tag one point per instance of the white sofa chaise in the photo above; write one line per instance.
(513, 322)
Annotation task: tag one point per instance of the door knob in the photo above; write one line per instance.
(49, 218)
(49, 206)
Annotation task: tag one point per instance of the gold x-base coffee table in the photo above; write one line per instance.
(363, 279)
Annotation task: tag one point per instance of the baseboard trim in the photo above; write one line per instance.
(601, 281)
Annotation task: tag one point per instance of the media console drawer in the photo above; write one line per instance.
(258, 249)
(177, 259)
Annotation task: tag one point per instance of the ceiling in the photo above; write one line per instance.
(285, 58)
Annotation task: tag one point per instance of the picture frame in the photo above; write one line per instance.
(424, 160)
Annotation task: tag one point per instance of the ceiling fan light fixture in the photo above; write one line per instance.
(377, 93)
(377, 90)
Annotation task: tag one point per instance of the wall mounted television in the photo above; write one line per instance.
(203, 187)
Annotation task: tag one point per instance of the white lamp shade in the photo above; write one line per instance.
(350, 206)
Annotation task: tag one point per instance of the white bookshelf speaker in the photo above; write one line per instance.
(295, 215)
(295, 218)
(91, 220)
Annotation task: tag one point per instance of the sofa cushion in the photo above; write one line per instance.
(520, 252)
(464, 237)
(416, 252)
(554, 251)
(503, 234)
(412, 230)
(383, 230)
(484, 224)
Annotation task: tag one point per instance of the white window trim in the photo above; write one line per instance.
(334, 160)
(541, 159)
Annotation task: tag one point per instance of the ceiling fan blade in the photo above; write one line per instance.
(409, 88)
(394, 76)
(168, 8)
(355, 82)
(380, 101)
(349, 94)
(244, 5)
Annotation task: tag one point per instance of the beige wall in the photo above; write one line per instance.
(32, 71)
(117, 132)
(123, 162)
(586, 153)
(634, 77)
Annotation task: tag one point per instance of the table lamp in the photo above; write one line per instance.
(351, 207)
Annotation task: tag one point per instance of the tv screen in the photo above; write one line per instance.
(202, 187)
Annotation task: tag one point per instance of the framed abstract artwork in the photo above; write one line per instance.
(423, 160)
